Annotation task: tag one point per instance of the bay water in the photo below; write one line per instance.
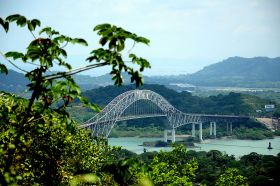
(234, 147)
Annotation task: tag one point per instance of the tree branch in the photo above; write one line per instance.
(13, 63)
(75, 71)
(64, 45)
(129, 51)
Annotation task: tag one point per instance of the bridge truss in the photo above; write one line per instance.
(136, 104)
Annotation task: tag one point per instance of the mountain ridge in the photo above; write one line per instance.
(238, 70)
(257, 72)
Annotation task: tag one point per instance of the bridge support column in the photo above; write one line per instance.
(211, 129)
(165, 135)
(167, 138)
(230, 128)
(214, 129)
(200, 131)
(193, 130)
(173, 135)
(227, 128)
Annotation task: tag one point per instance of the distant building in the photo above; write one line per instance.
(269, 108)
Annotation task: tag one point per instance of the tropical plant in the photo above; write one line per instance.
(40, 143)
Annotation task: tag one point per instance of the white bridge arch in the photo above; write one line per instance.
(102, 123)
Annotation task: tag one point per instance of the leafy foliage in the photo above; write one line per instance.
(46, 149)
(252, 133)
(173, 168)
(47, 50)
(115, 38)
(40, 144)
(231, 177)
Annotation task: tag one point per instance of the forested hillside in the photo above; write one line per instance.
(233, 103)
(13, 82)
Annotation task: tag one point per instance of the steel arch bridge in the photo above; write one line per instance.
(136, 104)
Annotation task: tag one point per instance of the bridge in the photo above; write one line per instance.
(136, 104)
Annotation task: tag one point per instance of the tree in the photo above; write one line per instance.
(40, 143)
(48, 50)
(173, 168)
(231, 177)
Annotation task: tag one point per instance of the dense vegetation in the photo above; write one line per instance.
(51, 150)
(268, 94)
(39, 142)
(255, 169)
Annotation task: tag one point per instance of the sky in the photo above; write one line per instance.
(186, 35)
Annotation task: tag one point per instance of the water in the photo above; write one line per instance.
(134, 144)
(230, 146)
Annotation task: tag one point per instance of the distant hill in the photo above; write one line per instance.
(261, 72)
(14, 82)
(238, 71)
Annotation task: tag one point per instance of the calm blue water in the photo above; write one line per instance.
(230, 146)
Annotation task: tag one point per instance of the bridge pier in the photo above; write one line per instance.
(165, 136)
(200, 131)
(173, 137)
(213, 129)
(227, 128)
(193, 130)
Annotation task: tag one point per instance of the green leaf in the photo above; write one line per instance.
(47, 30)
(54, 32)
(120, 45)
(79, 41)
(14, 55)
(142, 40)
(63, 52)
(102, 26)
(35, 22)
(133, 56)
(95, 107)
(5, 24)
(103, 41)
(33, 53)
(21, 21)
(30, 26)
(3, 69)
(112, 43)
(2, 22)
(12, 18)
(59, 39)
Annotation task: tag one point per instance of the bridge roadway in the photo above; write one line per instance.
(119, 109)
